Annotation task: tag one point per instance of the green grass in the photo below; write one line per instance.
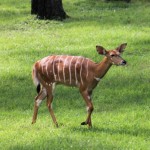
(121, 118)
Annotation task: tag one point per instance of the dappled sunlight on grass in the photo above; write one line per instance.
(121, 99)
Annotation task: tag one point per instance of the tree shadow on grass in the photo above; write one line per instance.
(134, 131)
(95, 11)
(60, 142)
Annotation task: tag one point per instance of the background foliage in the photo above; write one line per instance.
(121, 119)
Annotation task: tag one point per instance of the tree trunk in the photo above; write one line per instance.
(48, 9)
(34, 6)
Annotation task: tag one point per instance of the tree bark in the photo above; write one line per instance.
(34, 6)
(48, 9)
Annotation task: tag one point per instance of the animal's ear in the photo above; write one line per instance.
(101, 50)
(121, 48)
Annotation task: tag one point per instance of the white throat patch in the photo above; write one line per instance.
(97, 79)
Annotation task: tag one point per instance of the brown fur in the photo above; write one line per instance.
(73, 71)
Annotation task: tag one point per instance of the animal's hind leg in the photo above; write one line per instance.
(37, 103)
(49, 103)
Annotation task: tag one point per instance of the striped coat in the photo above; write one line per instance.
(72, 71)
(69, 70)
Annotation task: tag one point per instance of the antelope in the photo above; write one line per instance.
(75, 71)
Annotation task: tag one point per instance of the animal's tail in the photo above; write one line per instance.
(36, 81)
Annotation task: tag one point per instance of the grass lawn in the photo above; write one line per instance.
(121, 118)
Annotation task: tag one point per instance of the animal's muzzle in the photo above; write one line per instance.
(123, 62)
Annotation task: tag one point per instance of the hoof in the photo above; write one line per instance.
(56, 125)
(83, 123)
(33, 122)
(89, 126)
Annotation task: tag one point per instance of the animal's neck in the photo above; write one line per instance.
(103, 67)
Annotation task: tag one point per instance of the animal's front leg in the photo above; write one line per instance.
(87, 98)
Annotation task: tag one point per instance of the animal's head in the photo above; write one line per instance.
(114, 56)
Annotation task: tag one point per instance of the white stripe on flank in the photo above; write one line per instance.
(70, 68)
(54, 68)
(58, 67)
(64, 69)
(42, 68)
(50, 61)
(81, 71)
(87, 68)
(47, 68)
(76, 71)
(43, 64)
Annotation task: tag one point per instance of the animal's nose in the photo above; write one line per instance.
(124, 62)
